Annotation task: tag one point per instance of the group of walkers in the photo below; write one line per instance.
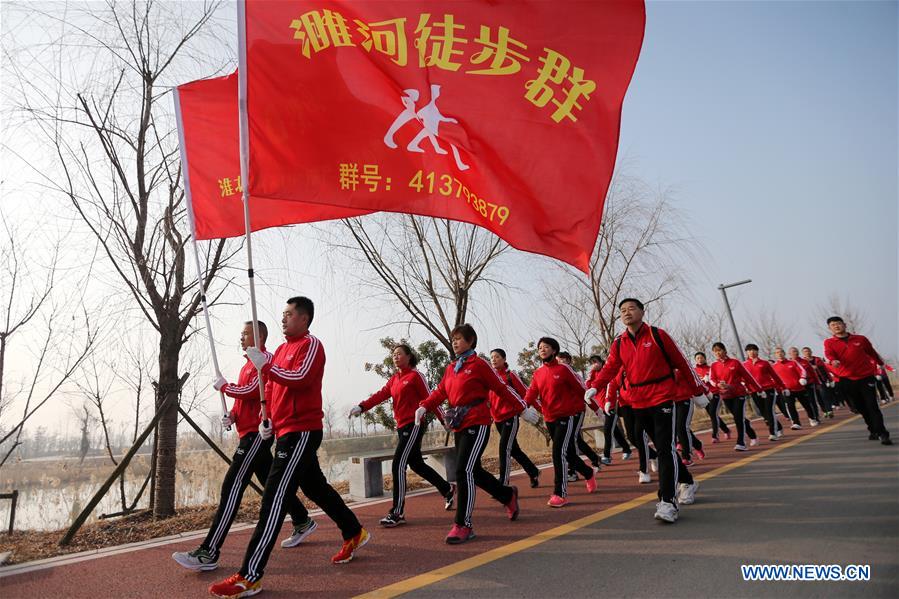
(645, 382)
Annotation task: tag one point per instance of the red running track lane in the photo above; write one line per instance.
(392, 555)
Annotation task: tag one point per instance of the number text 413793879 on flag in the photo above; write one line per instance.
(504, 114)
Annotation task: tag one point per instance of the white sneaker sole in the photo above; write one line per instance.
(248, 593)
(292, 541)
(668, 519)
(353, 554)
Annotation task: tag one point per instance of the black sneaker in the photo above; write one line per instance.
(873, 437)
(535, 481)
(450, 498)
(392, 520)
(885, 440)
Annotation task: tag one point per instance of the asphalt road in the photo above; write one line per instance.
(833, 499)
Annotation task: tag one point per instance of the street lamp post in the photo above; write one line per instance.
(723, 288)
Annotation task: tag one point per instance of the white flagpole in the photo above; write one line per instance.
(185, 173)
(244, 173)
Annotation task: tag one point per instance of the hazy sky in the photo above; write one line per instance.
(777, 124)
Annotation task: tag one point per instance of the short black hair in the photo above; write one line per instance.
(303, 305)
(595, 358)
(501, 352)
(718, 344)
(467, 332)
(550, 342)
(808, 348)
(752, 346)
(565, 355)
(413, 359)
(835, 319)
(263, 330)
(630, 299)
(700, 353)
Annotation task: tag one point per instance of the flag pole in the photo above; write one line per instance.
(185, 171)
(244, 176)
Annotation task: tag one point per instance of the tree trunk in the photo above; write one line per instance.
(167, 438)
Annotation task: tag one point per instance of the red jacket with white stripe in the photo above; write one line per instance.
(245, 411)
(810, 371)
(293, 385)
(472, 383)
(764, 374)
(857, 357)
(790, 372)
(408, 388)
(500, 408)
(702, 370)
(649, 379)
(559, 389)
(732, 373)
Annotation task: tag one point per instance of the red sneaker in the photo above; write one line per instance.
(350, 546)
(459, 534)
(727, 436)
(699, 454)
(512, 506)
(591, 484)
(556, 501)
(235, 586)
(715, 440)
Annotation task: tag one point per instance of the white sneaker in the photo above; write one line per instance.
(780, 433)
(753, 442)
(795, 427)
(667, 512)
(300, 533)
(773, 437)
(686, 494)
(814, 422)
(643, 478)
(625, 456)
(740, 447)
(654, 465)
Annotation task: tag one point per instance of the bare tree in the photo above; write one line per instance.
(640, 252)
(430, 265)
(112, 135)
(575, 326)
(767, 330)
(697, 334)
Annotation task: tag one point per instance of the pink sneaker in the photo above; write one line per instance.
(727, 436)
(715, 440)
(459, 534)
(699, 454)
(556, 501)
(591, 484)
(679, 447)
(512, 506)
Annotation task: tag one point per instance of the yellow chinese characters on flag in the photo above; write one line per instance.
(500, 113)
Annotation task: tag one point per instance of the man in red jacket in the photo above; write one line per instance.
(819, 385)
(294, 393)
(855, 362)
(764, 374)
(650, 359)
(253, 456)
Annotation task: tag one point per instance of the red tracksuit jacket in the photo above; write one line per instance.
(245, 411)
(810, 371)
(473, 382)
(560, 390)
(643, 362)
(408, 388)
(702, 371)
(739, 381)
(856, 356)
(500, 408)
(764, 374)
(293, 385)
(790, 372)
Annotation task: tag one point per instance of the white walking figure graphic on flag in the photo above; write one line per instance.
(430, 118)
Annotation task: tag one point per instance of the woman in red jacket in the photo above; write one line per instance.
(560, 391)
(505, 415)
(466, 383)
(408, 388)
(702, 368)
(734, 384)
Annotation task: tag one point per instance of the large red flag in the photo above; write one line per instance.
(502, 113)
(209, 129)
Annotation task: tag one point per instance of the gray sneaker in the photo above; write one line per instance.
(198, 560)
(300, 533)
(667, 512)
